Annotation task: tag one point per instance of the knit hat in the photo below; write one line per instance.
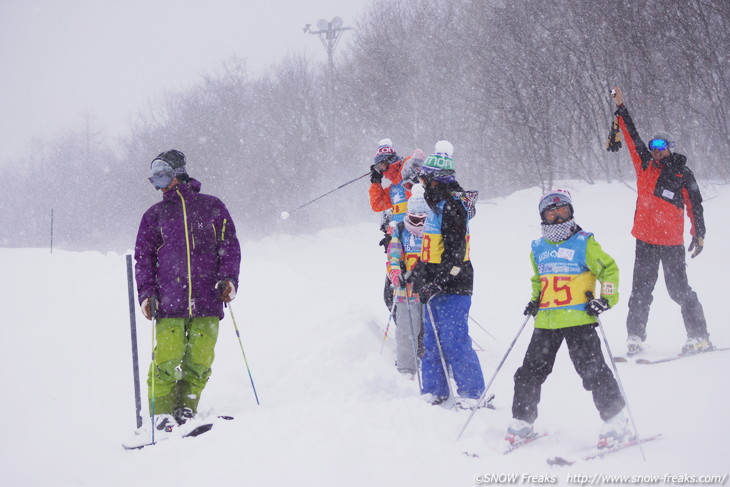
(417, 203)
(439, 166)
(555, 199)
(385, 153)
(170, 162)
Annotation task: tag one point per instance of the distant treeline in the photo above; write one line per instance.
(519, 87)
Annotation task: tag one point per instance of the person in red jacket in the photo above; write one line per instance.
(666, 188)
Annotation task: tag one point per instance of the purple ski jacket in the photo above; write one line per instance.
(186, 244)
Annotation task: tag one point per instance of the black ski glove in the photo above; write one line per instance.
(613, 144)
(597, 306)
(697, 244)
(376, 177)
(384, 242)
(532, 308)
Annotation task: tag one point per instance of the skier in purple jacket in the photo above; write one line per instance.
(187, 262)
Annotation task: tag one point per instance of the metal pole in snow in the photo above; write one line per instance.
(133, 330)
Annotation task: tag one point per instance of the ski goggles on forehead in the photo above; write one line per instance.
(160, 166)
(658, 144)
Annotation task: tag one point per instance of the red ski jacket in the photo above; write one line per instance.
(665, 188)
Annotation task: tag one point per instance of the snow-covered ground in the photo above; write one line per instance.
(334, 411)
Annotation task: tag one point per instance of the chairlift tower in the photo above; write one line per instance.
(330, 33)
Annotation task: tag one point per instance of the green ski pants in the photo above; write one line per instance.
(183, 356)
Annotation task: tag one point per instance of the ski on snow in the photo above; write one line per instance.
(197, 431)
(526, 441)
(678, 356)
(596, 453)
(512, 447)
(645, 361)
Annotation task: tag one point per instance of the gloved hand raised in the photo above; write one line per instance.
(376, 176)
(697, 244)
(532, 308)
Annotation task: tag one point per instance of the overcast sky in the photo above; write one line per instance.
(61, 59)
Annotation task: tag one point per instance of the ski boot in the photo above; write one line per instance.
(518, 431)
(634, 344)
(469, 404)
(696, 345)
(183, 415)
(433, 399)
(614, 432)
(163, 424)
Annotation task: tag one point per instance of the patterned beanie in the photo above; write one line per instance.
(439, 166)
(555, 199)
(385, 152)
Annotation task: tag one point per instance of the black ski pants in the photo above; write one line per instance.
(646, 271)
(584, 348)
(388, 296)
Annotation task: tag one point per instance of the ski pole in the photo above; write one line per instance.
(235, 326)
(480, 326)
(414, 338)
(618, 378)
(438, 344)
(390, 316)
(287, 214)
(153, 367)
(133, 332)
(494, 375)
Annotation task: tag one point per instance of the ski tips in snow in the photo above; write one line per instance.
(600, 453)
(197, 431)
(644, 361)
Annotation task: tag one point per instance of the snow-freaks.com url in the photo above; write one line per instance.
(663, 479)
(600, 479)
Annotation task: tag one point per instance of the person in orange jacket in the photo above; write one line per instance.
(393, 199)
(666, 187)
(387, 164)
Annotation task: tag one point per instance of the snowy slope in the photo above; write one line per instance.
(333, 410)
